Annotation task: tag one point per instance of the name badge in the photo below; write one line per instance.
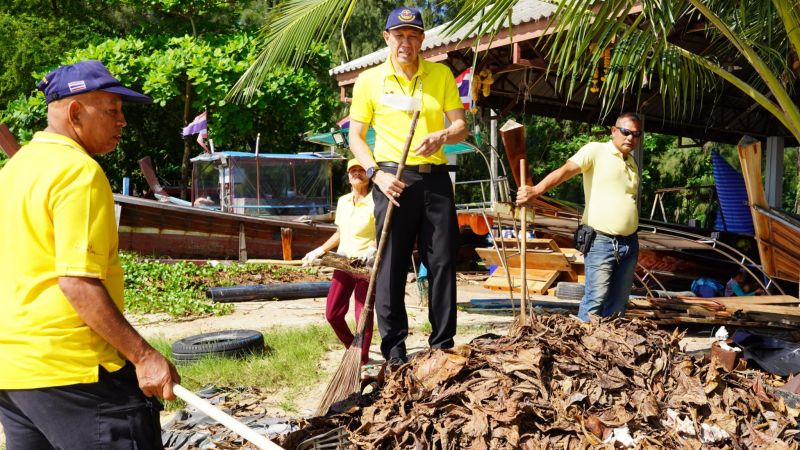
(401, 102)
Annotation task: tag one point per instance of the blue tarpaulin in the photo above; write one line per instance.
(734, 211)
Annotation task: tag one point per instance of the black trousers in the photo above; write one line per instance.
(110, 414)
(427, 216)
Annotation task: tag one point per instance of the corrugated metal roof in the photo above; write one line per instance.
(523, 12)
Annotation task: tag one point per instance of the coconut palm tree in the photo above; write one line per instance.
(636, 41)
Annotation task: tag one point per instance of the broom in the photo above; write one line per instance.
(347, 379)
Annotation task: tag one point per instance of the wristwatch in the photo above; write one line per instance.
(372, 171)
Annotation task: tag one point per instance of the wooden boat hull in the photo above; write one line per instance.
(162, 229)
(776, 231)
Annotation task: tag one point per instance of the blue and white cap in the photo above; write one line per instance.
(83, 77)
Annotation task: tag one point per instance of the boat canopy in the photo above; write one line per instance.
(216, 156)
(266, 184)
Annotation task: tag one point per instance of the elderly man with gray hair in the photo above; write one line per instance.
(76, 374)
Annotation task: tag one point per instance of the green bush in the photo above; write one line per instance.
(176, 289)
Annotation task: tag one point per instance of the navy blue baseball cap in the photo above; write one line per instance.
(404, 17)
(83, 77)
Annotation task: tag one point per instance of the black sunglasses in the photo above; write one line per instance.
(626, 132)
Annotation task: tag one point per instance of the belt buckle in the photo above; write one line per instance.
(424, 168)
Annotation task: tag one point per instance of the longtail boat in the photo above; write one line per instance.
(776, 231)
(244, 206)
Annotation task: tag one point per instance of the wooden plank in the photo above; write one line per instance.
(759, 300)
(531, 243)
(531, 274)
(792, 311)
(538, 281)
(534, 259)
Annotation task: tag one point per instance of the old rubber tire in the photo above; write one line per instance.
(570, 291)
(231, 343)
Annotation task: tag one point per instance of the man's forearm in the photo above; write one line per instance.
(359, 147)
(557, 177)
(96, 308)
(456, 132)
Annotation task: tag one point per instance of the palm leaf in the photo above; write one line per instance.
(642, 44)
(764, 71)
(293, 28)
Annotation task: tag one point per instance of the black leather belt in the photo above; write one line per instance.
(421, 168)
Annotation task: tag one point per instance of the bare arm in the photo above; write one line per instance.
(96, 308)
(386, 182)
(454, 133)
(358, 143)
(331, 243)
(527, 193)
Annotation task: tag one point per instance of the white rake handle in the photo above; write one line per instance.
(220, 416)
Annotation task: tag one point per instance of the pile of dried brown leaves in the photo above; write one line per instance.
(565, 384)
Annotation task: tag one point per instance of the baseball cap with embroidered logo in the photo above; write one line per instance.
(404, 17)
(83, 77)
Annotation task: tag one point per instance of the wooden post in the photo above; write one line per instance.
(242, 243)
(8, 143)
(523, 248)
(286, 243)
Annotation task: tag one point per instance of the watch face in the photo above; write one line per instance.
(371, 172)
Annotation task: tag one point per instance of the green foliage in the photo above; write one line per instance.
(288, 104)
(791, 180)
(24, 116)
(676, 167)
(45, 38)
(176, 289)
(179, 288)
(290, 365)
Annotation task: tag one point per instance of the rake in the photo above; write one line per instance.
(346, 381)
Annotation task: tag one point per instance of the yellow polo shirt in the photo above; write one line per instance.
(610, 184)
(356, 224)
(433, 83)
(59, 220)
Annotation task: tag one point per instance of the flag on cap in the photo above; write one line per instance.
(199, 126)
(463, 81)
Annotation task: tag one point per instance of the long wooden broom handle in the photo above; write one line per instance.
(523, 246)
(367, 310)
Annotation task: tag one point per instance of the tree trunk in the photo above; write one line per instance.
(187, 140)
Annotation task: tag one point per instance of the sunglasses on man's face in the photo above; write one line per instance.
(626, 132)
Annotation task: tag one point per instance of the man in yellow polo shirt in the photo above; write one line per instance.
(75, 375)
(425, 212)
(610, 185)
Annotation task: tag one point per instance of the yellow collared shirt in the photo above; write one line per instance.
(356, 224)
(433, 84)
(60, 222)
(610, 186)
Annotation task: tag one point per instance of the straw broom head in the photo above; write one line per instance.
(345, 382)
